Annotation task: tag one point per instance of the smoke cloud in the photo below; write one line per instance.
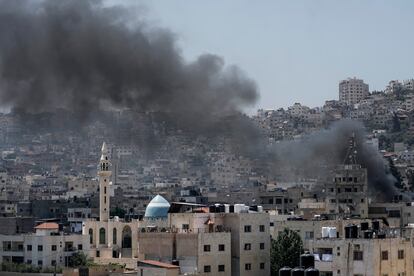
(320, 152)
(84, 56)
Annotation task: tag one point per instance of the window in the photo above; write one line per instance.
(262, 265)
(40, 248)
(207, 268)
(358, 255)
(221, 268)
(261, 228)
(54, 247)
(206, 248)
(53, 262)
(384, 255)
(262, 245)
(309, 235)
(221, 247)
(39, 263)
(400, 254)
(102, 236)
(29, 247)
(248, 266)
(29, 261)
(247, 246)
(247, 228)
(105, 189)
(80, 247)
(114, 236)
(90, 236)
(186, 226)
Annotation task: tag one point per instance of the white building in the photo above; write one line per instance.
(47, 247)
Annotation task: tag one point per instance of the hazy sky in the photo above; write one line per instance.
(297, 51)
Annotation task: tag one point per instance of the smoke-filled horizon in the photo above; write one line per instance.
(85, 57)
(321, 151)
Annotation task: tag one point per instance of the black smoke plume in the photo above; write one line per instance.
(85, 56)
(318, 154)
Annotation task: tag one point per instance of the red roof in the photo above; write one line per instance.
(159, 264)
(47, 225)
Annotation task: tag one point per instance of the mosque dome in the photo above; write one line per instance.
(157, 208)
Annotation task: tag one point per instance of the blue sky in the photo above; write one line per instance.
(297, 51)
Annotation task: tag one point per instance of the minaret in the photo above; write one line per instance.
(104, 174)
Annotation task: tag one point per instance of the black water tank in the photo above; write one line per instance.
(231, 209)
(212, 209)
(307, 260)
(253, 208)
(364, 226)
(311, 272)
(376, 225)
(297, 271)
(285, 271)
(222, 208)
(368, 234)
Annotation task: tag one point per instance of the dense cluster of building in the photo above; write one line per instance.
(194, 207)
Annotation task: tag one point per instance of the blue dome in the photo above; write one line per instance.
(157, 208)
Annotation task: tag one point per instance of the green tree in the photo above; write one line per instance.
(286, 250)
(79, 259)
(118, 212)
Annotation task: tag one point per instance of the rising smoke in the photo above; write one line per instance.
(321, 151)
(84, 56)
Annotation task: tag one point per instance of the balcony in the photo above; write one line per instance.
(13, 246)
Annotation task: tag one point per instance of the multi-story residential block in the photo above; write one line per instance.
(393, 86)
(46, 247)
(352, 91)
(366, 256)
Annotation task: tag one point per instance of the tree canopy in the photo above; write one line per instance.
(286, 250)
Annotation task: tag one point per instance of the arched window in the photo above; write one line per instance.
(114, 236)
(126, 237)
(102, 236)
(90, 236)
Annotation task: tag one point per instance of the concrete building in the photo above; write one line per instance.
(109, 238)
(220, 241)
(352, 91)
(47, 247)
(211, 243)
(363, 256)
(155, 268)
(347, 192)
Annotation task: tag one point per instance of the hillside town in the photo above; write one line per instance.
(180, 206)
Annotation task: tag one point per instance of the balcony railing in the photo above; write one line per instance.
(184, 230)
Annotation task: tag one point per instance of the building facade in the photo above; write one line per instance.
(352, 91)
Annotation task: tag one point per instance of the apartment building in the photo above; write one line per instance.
(46, 247)
(385, 256)
(352, 91)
